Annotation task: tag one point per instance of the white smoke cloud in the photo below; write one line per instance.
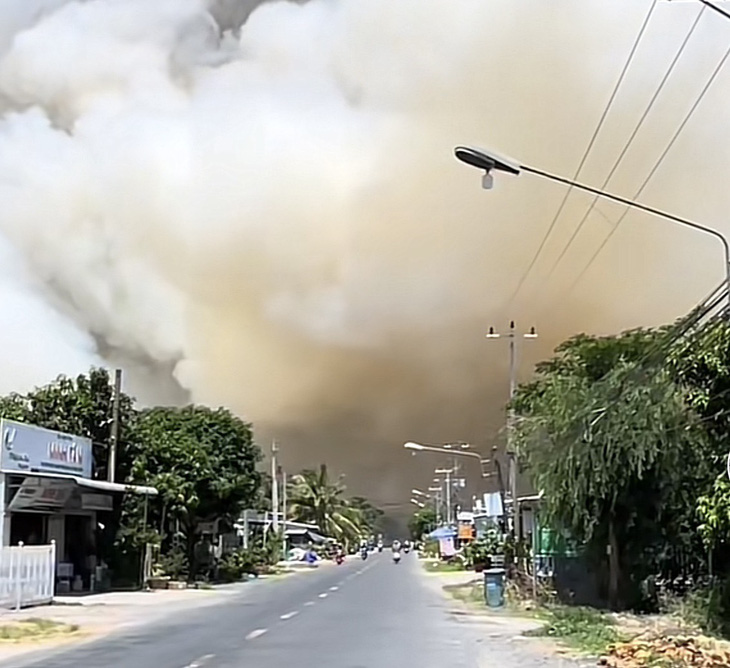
(276, 213)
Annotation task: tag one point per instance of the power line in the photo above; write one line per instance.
(719, 10)
(654, 169)
(630, 141)
(589, 148)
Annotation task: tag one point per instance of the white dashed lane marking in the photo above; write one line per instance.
(255, 634)
(289, 615)
(198, 663)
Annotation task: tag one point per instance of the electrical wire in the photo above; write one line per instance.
(630, 141)
(653, 171)
(706, 3)
(586, 153)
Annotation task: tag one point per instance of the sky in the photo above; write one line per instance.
(256, 205)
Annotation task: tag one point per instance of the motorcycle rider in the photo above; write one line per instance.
(396, 547)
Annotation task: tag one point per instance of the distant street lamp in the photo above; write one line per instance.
(415, 502)
(443, 450)
(490, 161)
(462, 452)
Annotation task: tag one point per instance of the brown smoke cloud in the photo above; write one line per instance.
(260, 206)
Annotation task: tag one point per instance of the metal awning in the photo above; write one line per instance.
(101, 485)
(443, 532)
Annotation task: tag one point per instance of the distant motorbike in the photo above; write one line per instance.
(339, 559)
(406, 549)
(396, 557)
(363, 554)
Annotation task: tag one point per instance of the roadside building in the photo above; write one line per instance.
(48, 493)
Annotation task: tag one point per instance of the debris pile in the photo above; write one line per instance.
(667, 652)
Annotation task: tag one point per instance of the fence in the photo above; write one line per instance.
(27, 575)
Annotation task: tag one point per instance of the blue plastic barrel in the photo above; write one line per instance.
(494, 587)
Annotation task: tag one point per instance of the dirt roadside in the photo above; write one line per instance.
(501, 633)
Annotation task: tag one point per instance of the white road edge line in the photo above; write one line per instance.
(202, 660)
(324, 595)
(256, 634)
(289, 615)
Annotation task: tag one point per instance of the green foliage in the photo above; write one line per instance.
(430, 549)
(476, 552)
(237, 565)
(584, 629)
(702, 365)
(422, 522)
(481, 551)
(708, 608)
(175, 563)
(203, 463)
(256, 559)
(371, 517)
(317, 499)
(616, 448)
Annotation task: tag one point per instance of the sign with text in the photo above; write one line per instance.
(30, 449)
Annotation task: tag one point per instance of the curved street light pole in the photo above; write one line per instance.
(418, 447)
(446, 451)
(489, 161)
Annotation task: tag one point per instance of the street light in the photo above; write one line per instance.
(442, 449)
(490, 161)
(418, 492)
(462, 452)
(512, 473)
(415, 502)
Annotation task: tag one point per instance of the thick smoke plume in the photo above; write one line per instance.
(258, 205)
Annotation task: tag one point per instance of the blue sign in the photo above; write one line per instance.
(30, 449)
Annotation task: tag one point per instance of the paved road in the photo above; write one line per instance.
(359, 615)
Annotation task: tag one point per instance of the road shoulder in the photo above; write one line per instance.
(502, 638)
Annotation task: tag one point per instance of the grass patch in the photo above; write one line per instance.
(444, 566)
(586, 630)
(471, 593)
(34, 628)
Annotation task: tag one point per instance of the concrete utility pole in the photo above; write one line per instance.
(274, 487)
(283, 510)
(511, 335)
(112, 463)
(447, 473)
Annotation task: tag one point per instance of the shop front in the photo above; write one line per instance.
(47, 493)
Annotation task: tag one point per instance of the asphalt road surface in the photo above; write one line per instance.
(362, 614)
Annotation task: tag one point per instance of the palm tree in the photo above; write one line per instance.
(316, 499)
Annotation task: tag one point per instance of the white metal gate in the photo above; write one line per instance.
(27, 575)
